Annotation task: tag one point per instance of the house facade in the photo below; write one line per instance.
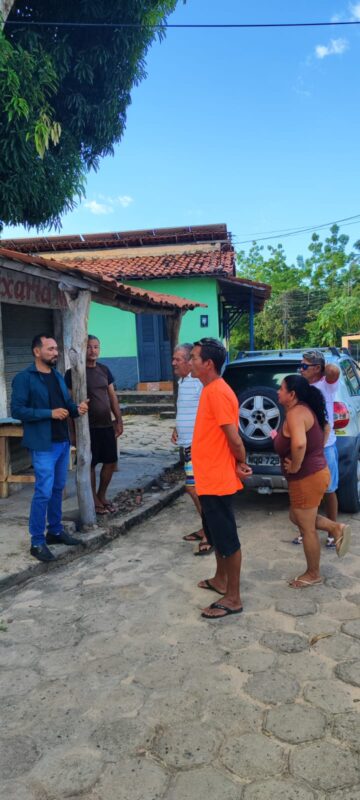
(198, 263)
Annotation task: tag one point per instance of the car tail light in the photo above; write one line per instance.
(341, 415)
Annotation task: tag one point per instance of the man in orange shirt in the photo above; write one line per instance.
(218, 456)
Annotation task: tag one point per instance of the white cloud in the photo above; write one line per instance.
(124, 200)
(335, 48)
(98, 208)
(355, 11)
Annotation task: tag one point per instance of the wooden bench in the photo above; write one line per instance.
(9, 429)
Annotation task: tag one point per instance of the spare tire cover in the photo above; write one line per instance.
(259, 413)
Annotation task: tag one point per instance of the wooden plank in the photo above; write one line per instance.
(21, 479)
(11, 431)
(4, 467)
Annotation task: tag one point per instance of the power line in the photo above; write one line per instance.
(166, 26)
(284, 235)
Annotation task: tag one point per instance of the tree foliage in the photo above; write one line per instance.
(313, 303)
(64, 92)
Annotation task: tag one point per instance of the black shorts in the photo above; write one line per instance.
(103, 446)
(219, 523)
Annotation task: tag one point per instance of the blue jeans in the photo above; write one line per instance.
(50, 467)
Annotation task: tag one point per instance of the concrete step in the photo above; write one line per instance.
(167, 414)
(144, 398)
(146, 408)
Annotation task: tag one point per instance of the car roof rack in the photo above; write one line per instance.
(283, 351)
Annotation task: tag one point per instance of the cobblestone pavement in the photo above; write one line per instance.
(113, 688)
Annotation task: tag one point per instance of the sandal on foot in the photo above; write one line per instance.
(221, 607)
(343, 542)
(209, 586)
(100, 511)
(303, 583)
(111, 508)
(193, 537)
(205, 548)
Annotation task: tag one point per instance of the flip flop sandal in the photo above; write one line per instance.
(204, 549)
(101, 511)
(210, 587)
(343, 542)
(193, 537)
(304, 584)
(221, 607)
(111, 508)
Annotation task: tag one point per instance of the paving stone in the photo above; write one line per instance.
(162, 707)
(228, 712)
(232, 637)
(325, 766)
(354, 598)
(10, 656)
(131, 779)
(349, 672)
(64, 772)
(17, 791)
(283, 642)
(352, 628)
(186, 744)
(17, 756)
(295, 723)
(251, 660)
(277, 790)
(318, 623)
(252, 756)
(120, 737)
(345, 794)
(18, 681)
(338, 647)
(272, 686)
(303, 666)
(296, 606)
(347, 728)
(205, 782)
(330, 696)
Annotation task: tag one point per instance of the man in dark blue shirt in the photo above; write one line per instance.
(41, 400)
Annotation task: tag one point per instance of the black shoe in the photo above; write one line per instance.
(42, 553)
(62, 538)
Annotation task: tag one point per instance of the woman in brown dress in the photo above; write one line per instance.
(300, 445)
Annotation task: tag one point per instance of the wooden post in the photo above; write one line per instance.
(173, 324)
(75, 328)
(3, 393)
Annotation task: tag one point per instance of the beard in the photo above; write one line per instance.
(51, 362)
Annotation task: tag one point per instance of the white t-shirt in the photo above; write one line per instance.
(189, 392)
(328, 390)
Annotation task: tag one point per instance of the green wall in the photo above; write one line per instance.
(203, 290)
(117, 329)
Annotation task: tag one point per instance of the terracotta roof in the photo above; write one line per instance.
(174, 265)
(121, 239)
(132, 294)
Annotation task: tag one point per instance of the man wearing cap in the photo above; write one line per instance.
(325, 377)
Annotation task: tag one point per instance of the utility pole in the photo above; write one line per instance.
(286, 320)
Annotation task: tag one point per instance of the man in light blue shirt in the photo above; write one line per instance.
(189, 391)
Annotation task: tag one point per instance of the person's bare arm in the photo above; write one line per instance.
(235, 442)
(174, 436)
(332, 373)
(295, 423)
(115, 408)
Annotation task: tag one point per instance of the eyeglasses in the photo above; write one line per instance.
(304, 367)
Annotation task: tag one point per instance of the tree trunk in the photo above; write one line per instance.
(5, 8)
(75, 331)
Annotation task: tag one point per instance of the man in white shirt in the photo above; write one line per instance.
(189, 391)
(325, 377)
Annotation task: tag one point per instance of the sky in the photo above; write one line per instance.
(255, 128)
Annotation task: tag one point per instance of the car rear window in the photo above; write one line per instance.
(247, 376)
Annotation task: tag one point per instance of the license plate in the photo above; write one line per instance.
(263, 460)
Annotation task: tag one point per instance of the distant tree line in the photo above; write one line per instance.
(312, 303)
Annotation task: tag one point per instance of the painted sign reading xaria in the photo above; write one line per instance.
(28, 290)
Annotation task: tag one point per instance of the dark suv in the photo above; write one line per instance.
(255, 378)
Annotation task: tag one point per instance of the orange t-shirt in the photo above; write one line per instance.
(212, 459)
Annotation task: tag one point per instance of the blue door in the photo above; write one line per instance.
(153, 348)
